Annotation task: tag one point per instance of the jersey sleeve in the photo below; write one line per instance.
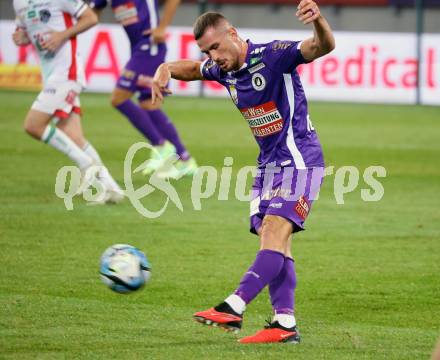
(73, 7)
(284, 56)
(210, 70)
(98, 4)
(19, 22)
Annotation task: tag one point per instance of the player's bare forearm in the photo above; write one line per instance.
(323, 40)
(87, 20)
(169, 10)
(186, 70)
(57, 38)
(159, 34)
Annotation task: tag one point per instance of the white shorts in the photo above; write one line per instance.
(59, 99)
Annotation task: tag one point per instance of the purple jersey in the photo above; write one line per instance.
(135, 16)
(268, 92)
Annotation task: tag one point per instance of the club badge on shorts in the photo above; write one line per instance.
(302, 207)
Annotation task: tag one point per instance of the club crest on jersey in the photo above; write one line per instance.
(233, 93)
(44, 16)
(258, 82)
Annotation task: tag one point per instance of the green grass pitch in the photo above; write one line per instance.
(368, 272)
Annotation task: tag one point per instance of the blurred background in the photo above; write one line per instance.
(380, 44)
(343, 15)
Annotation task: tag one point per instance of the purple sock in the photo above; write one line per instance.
(282, 289)
(141, 121)
(265, 268)
(168, 131)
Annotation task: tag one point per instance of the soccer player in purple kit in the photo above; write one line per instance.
(264, 85)
(147, 35)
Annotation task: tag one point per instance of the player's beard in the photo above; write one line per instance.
(230, 65)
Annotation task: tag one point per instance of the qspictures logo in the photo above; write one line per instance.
(285, 183)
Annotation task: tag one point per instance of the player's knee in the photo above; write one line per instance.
(271, 236)
(115, 100)
(271, 223)
(33, 129)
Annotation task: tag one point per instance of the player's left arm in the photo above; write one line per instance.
(85, 20)
(158, 35)
(323, 40)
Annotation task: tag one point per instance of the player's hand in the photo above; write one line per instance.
(20, 38)
(158, 35)
(308, 11)
(53, 40)
(160, 82)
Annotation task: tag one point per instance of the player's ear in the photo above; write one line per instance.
(233, 33)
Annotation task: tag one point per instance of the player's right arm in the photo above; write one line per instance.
(19, 36)
(86, 18)
(186, 70)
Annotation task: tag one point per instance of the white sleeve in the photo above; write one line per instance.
(18, 19)
(73, 7)
(19, 22)
(202, 64)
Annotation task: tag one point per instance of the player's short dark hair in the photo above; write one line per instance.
(205, 21)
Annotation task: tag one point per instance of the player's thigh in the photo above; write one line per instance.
(73, 129)
(36, 122)
(120, 95)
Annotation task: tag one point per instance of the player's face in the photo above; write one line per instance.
(222, 46)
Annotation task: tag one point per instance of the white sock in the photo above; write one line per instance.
(91, 151)
(104, 174)
(60, 141)
(236, 303)
(286, 320)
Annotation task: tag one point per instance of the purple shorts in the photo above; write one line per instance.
(144, 60)
(288, 193)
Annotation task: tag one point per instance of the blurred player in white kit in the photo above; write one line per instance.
(55, 116)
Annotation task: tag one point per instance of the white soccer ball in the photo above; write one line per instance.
(124, 268)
